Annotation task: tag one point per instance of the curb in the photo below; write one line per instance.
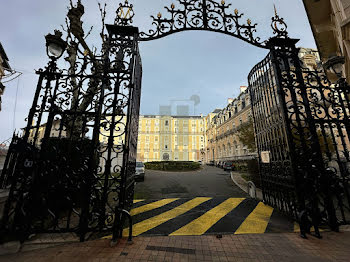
(10, 248)
(243, 185)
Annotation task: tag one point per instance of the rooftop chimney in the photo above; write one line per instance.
(243, 88)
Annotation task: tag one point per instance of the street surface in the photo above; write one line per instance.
(207, 182)
(197, 203)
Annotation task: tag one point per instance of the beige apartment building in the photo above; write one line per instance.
(37, 134)
(173, 138)
(223, 143)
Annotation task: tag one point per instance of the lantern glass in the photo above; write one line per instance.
(335, 65)
(55, 50)
(337, 69)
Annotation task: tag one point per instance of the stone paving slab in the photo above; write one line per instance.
(254, 247)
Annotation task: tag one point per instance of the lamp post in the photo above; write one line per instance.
(55, 45)
(335, 64)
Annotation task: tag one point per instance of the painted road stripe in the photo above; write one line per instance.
(152, 206)
(200, 225)
(257, 221)
(138, 200)
(231, 222)
(174, 224)
(153, 222)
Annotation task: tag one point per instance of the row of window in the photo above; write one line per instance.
(176, 123)
(147, 158)
(176, 139)
(156, 146)
(176, 130)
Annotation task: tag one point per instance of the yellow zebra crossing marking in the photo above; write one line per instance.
(138, 200)
(257, 220)
(200, 225)
(210, 218)
(155, 221)
(151, 206)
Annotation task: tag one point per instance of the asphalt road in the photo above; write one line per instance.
(207, 182)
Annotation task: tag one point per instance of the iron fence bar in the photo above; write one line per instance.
(107, 171)
(33, 108)
(4, 176)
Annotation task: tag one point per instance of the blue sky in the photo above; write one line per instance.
(207, 64)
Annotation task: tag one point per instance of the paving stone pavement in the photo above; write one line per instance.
(252, 247)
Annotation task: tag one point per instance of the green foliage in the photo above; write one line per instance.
(249, 169)
(173, 165)
(246, 135)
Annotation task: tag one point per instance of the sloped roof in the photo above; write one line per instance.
(5, 59)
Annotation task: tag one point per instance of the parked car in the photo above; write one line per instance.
(220, 164)
(228, 166)
(140, 171)
(211, 163)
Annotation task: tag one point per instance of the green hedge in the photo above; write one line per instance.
(173, 165)
(251, 167)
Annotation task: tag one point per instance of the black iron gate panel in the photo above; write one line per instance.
(73, 168)
(120, 125)
(277, 180)
(302, 132)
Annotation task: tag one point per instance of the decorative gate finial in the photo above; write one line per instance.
(125, 14)
(278, 25)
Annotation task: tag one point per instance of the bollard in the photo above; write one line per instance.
(251, 189)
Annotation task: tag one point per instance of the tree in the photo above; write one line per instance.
(82, 60)
(246, 135)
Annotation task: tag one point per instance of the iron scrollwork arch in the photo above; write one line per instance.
(203, 15)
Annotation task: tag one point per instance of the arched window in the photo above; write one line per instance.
(166, 157)
(235, 152)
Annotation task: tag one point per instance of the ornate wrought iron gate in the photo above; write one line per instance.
(73, 169)
(302, 131)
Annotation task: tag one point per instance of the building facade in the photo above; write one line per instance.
(173, 138)
(330, 23)
(223, 143)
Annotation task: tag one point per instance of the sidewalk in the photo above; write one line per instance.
(255, 247)
(236, 177)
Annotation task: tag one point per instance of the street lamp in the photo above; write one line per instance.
(335, 65)
(55, 45)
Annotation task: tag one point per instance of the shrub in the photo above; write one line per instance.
(172, 165)
(253, 170)
(251, 167)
